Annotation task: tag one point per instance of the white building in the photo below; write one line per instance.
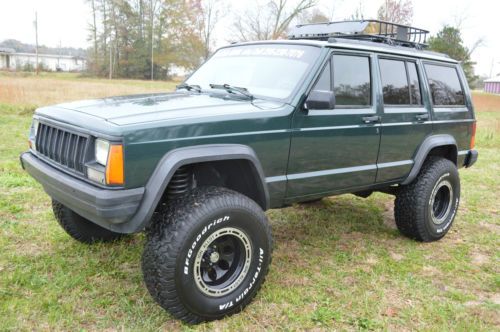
(12, 60)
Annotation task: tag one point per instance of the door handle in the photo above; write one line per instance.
(371, 119)
(422, 117)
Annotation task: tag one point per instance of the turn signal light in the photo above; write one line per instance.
(114, 168)
(473, 137)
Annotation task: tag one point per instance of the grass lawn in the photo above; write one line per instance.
(338, 264)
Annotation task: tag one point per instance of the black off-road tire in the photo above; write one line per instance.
(175, 246)
(81, 229)
(415, 212)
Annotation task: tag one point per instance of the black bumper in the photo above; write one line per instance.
(104, 207)
(471, 158)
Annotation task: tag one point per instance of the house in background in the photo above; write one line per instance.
(12, 60)
(492, 85)
(5, 54)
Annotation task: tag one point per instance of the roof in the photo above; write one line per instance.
(493, 80)
(49, 55)
(360, 45)
(7, 50)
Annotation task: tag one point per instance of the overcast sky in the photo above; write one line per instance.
(66, 22)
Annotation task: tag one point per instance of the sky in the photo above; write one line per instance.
(66, 22)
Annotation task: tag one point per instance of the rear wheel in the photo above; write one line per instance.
(425, 209)
(79, 228)
(207, 254)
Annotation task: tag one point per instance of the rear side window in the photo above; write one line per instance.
(351, 80)
(415, 95)
(445, 86)
(400, 83)
(394, 82)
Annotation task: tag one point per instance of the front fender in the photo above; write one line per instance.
(176, 158)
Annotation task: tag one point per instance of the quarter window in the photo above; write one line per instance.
(445, 86)
(400, 83)
(351, 80)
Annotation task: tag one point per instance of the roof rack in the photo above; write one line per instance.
(370, 30)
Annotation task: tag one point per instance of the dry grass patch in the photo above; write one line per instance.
(51, 89)
(486, 102)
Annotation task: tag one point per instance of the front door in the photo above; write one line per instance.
(336, 150)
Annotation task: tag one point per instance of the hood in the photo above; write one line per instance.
(129, 110)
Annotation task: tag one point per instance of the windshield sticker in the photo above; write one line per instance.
(291, 53)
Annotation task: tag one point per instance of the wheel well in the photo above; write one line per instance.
(446, 151)
(236, 174)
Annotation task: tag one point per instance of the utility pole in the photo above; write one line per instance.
(36, 41)
(152, 39)
(110, 60)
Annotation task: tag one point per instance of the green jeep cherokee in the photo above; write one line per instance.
(259, 126)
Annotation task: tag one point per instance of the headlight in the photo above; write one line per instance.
(32, 136)
(111, 157)
(35, 126)
(101, 151)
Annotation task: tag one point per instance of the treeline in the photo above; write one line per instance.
(18, 46)
(146, 38)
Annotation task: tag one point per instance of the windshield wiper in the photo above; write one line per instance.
(233, 89)
(189, 87)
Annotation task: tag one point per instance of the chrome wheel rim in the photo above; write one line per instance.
(441, 201)
(222, 262)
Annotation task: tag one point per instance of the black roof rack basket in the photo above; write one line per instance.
(371, 30)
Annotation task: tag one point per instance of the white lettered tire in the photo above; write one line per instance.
(425, 209)
(207, 254)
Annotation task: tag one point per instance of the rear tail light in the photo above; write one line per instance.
(473, 137)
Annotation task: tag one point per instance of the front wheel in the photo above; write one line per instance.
(81, 229)
(207, 254)
(425, 209)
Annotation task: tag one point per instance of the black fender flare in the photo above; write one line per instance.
(427, 145)
(176, 158)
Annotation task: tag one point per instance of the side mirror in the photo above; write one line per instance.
(320, 100)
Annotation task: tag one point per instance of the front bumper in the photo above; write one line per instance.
(105, 207)
(471, 158)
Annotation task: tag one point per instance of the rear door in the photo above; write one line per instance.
(406, 116)
(336, 149)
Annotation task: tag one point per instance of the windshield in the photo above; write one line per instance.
(272, 71)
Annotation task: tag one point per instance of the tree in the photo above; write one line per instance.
(396, 11)
(449, 41)
(145, 38)
(269, 21)
(93, 29)
(359, 12)
(313, 16)
(207, 14)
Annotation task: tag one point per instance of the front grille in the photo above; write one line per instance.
(62, 147)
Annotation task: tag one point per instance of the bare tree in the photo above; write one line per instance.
(313, 16)
(396, 11)
(270, 21)
(35, 24)
(359, 12)
(93, 28)
(210, 13)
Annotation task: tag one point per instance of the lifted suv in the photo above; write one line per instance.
(260, 125)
